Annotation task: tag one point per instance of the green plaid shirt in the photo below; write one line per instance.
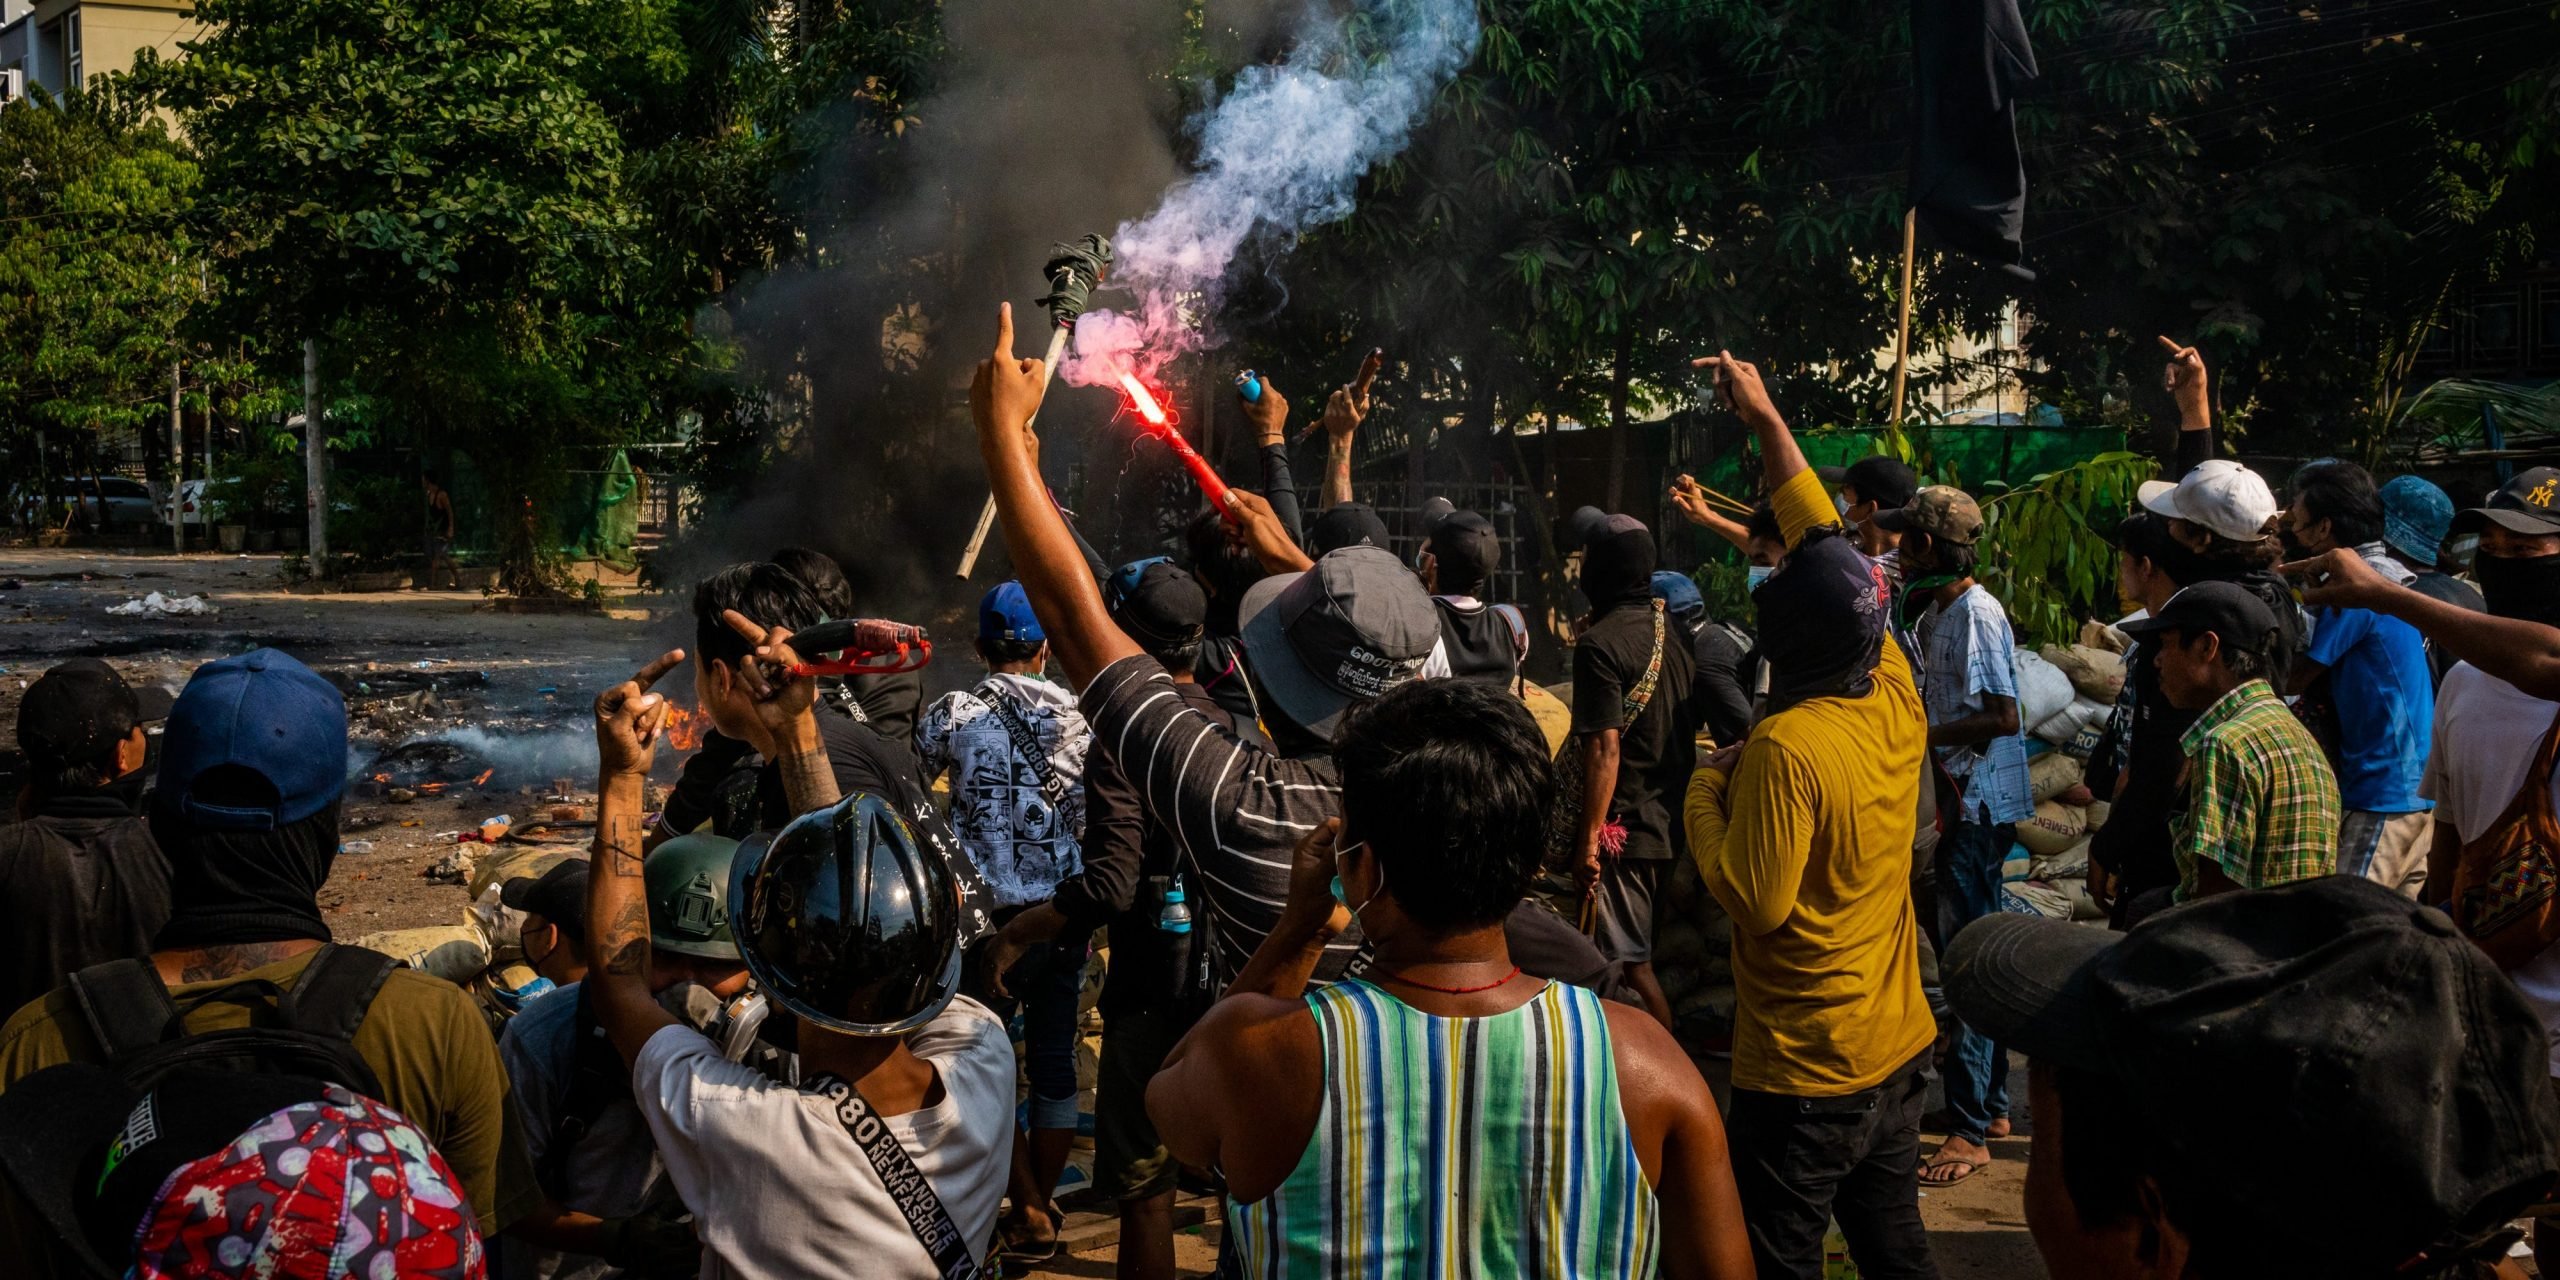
(2261, 801)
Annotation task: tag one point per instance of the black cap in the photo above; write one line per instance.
(75, 713)
(1886, 482)
(1349, 524)
(1466, 550)
(558, 895)
(2226, 609)
(2528, 504)
(1159, 604)
(2326, 1054)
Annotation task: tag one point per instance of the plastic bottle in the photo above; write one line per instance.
(1176, 915)
(1835, 1256)
(355, 846)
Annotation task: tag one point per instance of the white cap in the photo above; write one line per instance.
(2219, 494)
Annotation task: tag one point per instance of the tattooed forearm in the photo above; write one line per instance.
(808, 781)
(1337, 471)
(625, 941)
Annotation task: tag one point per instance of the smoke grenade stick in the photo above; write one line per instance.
(1074, 271)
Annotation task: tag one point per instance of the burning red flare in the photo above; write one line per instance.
(1141, 399)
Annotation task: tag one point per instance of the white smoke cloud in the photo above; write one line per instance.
(1280, 153)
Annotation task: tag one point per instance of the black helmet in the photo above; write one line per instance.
(846, 920)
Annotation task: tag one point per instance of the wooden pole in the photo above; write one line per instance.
(987, 513)
(315, 463)
(177, 466)
(1902, 326)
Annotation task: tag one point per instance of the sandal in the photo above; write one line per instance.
(1014, 1243)
(1971, 1167)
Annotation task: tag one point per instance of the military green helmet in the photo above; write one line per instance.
(689, 896)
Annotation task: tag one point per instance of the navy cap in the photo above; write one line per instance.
(264, 712)
(1005, 614)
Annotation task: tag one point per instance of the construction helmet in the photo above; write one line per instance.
(848, 921)
(689, 898)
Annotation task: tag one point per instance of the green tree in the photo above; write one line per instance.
(98, 268)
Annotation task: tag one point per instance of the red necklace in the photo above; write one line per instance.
(1450, 991)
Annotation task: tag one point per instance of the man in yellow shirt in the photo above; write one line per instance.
(1803, 834)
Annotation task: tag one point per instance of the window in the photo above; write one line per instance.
(71, 76)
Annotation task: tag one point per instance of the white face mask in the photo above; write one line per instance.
(1758, 574)
(1339, 895)
(1840, 503)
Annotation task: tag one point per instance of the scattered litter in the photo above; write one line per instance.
(355, 846)
(174, 606)
(401, 795)
(492, 830)
(410, 823)
(453, 868)
(422, 664)
(548, 689)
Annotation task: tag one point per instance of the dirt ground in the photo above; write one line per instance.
(463, 689)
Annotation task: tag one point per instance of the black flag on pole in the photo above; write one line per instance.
(1969, 60)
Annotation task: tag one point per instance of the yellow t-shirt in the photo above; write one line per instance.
(1808, 847)
(426, 1043)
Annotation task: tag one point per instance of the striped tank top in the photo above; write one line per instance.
(1458, 1147)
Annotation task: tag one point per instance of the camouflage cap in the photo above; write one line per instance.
(1941, 511)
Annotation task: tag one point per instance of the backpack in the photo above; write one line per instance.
(2506, 884)
(143, 1032)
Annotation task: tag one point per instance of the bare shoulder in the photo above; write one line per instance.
(1253, 1034)
(1655, 1075)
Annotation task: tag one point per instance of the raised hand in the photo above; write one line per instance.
(1692, 500)
(1738, 384)
(1270, 414)
(1005, 392)
(2184, 377)
(628, 718)
(782, 700)
(1348, 406)
(2340, 578)
(1311, 874)
(1258, 527)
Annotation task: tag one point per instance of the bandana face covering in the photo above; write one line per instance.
(2524, 587)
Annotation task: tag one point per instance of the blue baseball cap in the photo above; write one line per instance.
(264, 712)
(1676, 592)
(2416, 515)
(1005, 614)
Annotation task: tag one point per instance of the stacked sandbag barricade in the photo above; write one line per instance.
(2066, 693)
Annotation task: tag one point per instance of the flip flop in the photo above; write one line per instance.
(1971, 1167)
(1015, 1247)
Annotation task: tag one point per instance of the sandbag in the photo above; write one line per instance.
(2051, 774)
(2054, 828)
(2083, 907)
(2071, 863)
(2097, 811)
(2035, 899)
(2099, 635)
(2064, 726)
(1553, 714)
(454, 952)
(2043, 689)
(2095, 673)
(2017, 867)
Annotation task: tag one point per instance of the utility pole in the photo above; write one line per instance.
(177, 467)
(315, 460)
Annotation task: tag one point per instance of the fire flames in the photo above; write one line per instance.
(1142, 400)
(684, 728)
(483, 779)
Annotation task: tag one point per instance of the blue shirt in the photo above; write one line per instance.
(1968, 651)
(2385, 694)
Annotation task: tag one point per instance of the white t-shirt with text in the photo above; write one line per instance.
(779, 1189)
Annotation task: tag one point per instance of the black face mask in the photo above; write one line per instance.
(2293, 548)
(2526, 587)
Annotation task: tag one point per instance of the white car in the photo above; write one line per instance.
(126, 502)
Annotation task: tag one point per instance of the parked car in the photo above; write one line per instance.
(127, 502)
(191, 504)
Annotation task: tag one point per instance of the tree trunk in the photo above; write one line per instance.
(177, 466)
(315, 461)
(1618, 425)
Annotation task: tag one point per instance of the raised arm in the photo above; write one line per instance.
(1270, 418)
(1002, 399)
(2186, 380)
(786, 725)
(1344, 410)
(2522, 653)
(628, 718)
(1738, 382)
(1692, 502)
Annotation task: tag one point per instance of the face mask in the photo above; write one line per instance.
(1758, 574)
(1840, 503)
(2520, 586)
(1339, 895)
(2293, 548)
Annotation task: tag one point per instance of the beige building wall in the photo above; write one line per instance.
(74, 40)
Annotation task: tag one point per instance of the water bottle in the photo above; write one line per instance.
(1176, 915)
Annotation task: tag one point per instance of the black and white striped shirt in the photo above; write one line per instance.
(1238, 807)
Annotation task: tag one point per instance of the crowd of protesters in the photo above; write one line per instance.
(1298, 785)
